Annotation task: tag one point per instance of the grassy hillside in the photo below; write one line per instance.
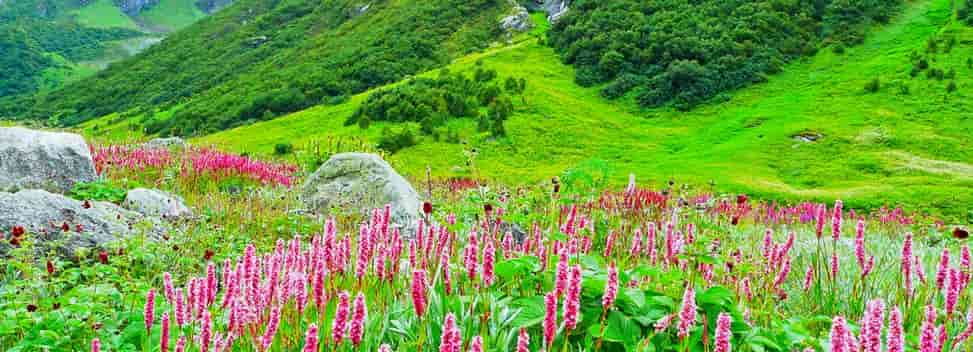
(885, 147)
(49, 43)
(171, 15)
(103, 14)
(258, 59)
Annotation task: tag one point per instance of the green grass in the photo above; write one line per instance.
(881, 148)
(104, 14)
(172, 15)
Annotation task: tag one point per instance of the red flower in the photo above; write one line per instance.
(742, 199)
(961, 233)
(18, 231)
(50, 267)
(86, 204)
(427, 208)
(65, 227)
(488, 208)
(79, 228)
(208, 255)
(31, 308)
(736, 220)
(103, 257)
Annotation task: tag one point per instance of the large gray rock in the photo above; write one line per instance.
(156, 203)
(555, 8)
(359, 182)
(42, 214)
(47, 160)
(518, 21)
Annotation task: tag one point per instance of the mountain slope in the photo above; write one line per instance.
(908, 142)
(258, 59)
(74, 38)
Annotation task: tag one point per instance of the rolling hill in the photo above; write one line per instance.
(52, 42)
(811, 131)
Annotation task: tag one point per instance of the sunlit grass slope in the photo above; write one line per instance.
(908, 142)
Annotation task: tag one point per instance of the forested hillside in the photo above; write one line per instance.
(50, 42)
(258, 59)
(685, 52)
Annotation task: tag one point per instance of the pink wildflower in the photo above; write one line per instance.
(523, 341)
(572, 303)
(340, 322)
(723, 333)
(149, 312)
(311, 339)
(357, 329)
(611, 287)
(477, 344)
(839, 335)
(687, 313)
(419, 292)
(489, 253)
(550, 317)
(164, 336)
(895, 340)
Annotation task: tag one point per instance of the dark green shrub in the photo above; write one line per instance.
(283, 149)
(873, 86)
(393, 141)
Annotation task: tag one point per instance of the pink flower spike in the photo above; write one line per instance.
(550, 317)
(181, 344)
(687, 313)
(311, 339)
(164, 336)
(477, 344)
(895, 340)
(611, 287)
(340, 323)
(523, 341)
(419, 292)
(572, 302)
(96, 345)
(839, 335)
(149, 311)
(723, 333)
(357, 329)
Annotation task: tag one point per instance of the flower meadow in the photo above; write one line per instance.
(633, 269)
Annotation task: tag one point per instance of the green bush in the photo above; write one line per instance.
(283, 149)
(873, 86)
(684, 52)
(393, 141)
(101, 190)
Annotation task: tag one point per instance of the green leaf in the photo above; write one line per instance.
(531, 311)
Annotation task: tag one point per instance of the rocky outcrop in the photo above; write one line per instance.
(46, 160)
(518, 21)
(211, 6)
(55, 222)
(135, 7)
(359, 182)
(156, 203)
(554, 8)
(166, 143)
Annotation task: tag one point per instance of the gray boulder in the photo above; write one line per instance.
(518, 21)
(515, 230)
(166, 143)
(90, 224)
(554, 8)
(47, 160)
(156, 203)
(359, 182)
